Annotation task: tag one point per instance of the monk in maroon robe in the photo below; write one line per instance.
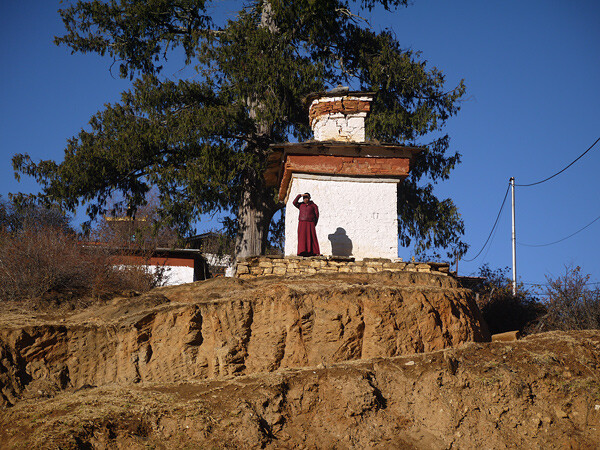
(308, 245)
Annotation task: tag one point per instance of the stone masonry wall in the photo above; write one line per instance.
(339, 118)
(258, 266)
(332, 105)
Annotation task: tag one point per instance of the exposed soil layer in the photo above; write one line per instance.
(225, 327)
(542, 392)
(330, 361)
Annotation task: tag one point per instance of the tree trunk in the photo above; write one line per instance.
(255, 211)
(257, 205)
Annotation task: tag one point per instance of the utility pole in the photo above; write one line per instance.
(514, 239)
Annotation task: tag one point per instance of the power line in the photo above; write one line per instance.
(546, 284)
(563, 239)
(558, 173)
(493, 228)
(489, 247)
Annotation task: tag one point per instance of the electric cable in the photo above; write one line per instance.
(489, 247)
(558, 173)
(493, 228)
(560, 240)
(546, 284)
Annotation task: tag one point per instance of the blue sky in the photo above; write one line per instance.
(532, 71)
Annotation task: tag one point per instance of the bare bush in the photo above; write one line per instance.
(122, 278)
(143, 230)
(36, 262)
(33, 262)
(571, 303)
(500, 309)
(14, 218)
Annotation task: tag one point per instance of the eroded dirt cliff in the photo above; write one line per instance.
(224, 327)
(330, 361)
(539, 393)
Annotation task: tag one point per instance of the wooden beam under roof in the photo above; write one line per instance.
(276, 160)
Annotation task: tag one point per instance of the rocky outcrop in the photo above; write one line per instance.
(227, 327)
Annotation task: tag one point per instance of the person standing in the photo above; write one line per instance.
(308, 245)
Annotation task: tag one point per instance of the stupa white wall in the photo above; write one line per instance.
(358, 215)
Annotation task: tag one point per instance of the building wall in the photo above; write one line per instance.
(177, 274)
(340, 127)
(174, 274)
(290, 266)
(358, 216)
(220, 264)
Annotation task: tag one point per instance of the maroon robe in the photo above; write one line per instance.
(308, 245)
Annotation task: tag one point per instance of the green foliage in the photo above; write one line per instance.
(203, 142)
(134, 32)
(501, 310)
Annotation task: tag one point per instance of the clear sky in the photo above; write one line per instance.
(532, 71)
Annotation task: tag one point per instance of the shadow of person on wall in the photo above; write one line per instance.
(341, 245)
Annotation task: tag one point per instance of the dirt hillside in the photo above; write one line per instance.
(542, 392)
(226, 327)
(345, 361)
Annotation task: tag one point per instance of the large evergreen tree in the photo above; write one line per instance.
(203, 142)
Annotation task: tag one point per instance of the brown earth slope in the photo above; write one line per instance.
(226, 327)
(539, 393)
(330, 361)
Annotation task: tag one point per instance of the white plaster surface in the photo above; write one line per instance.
(217, 260)
(338, 127)
(358, 216)
(174, 274)
(221, 260)
(177, 274)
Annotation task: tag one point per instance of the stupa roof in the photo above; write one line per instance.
(276, 160)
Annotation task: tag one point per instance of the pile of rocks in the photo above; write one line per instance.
(257, 266)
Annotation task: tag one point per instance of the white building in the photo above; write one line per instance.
(353, 182)
(179, 266)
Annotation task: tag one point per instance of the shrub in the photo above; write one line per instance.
(14, 218)
(501, 310)
(39, 262)
(142, 230)
(571, 304)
